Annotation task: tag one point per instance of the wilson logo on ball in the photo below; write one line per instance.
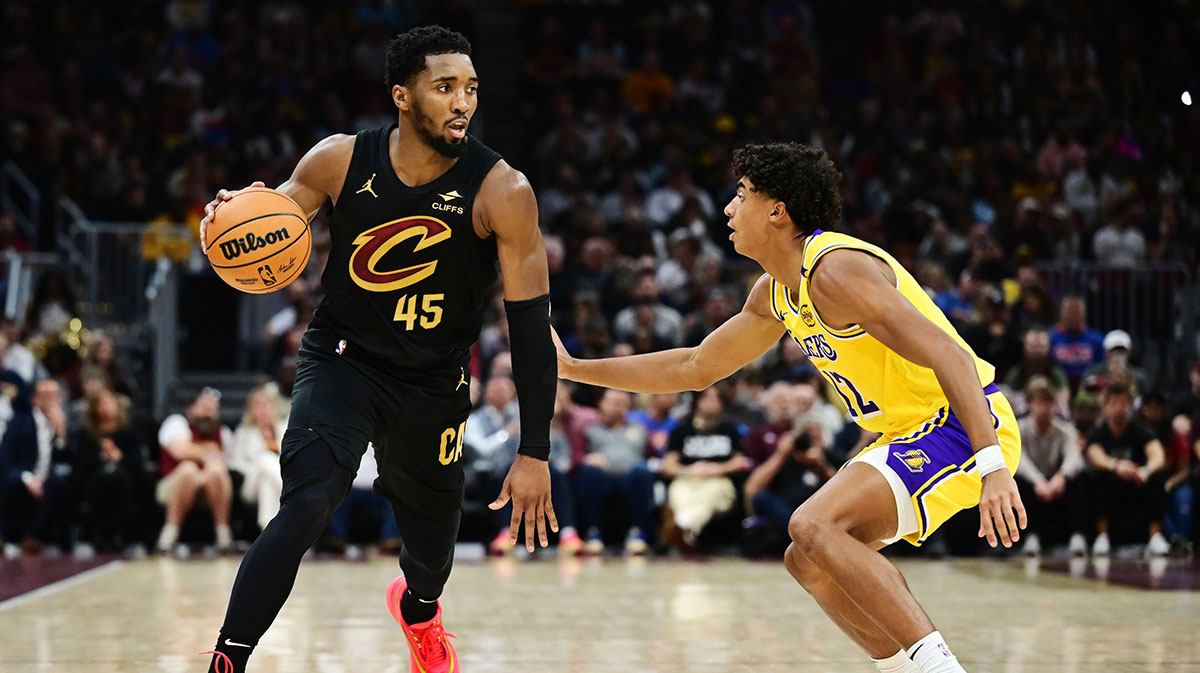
(249, 243)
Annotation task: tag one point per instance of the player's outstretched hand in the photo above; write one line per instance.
(997, 504)
(211, 207)
(564, 358)
(528, 486)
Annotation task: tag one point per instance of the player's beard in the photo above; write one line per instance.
(436, 141)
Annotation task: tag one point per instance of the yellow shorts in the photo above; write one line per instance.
(932, 470)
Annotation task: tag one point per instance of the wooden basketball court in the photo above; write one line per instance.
(611, 615)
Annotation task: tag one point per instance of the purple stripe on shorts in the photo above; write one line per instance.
(919, 460)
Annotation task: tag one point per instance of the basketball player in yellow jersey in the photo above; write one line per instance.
(949, 440)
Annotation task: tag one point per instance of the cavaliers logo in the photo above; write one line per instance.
(371, 246)
(914, 459)
(806, 315)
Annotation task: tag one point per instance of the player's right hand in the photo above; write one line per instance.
(998, 502)
(211, 207)
(528, 486)
(564, 358)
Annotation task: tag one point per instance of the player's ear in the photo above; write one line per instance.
(400, 97)
(779, 214)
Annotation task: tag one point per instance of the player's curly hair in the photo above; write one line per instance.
(803, 177)
(407, 51)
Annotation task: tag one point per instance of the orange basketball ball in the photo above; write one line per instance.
(259, 240)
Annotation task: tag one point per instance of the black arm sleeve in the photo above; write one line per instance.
(535, 371)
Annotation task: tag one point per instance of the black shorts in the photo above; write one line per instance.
(414, 418)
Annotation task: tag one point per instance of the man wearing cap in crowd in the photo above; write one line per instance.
(1049, 474)
(1118, 348)
(193, 465)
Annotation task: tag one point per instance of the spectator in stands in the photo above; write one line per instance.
(11, 387)
(254, 450)
(675, 274)
(1035, 308)
(649, 312)
(1085, 412)
(1073, 345)
(574, 419)
(614, 470)
(1128, 460)
(494, 425)
(648, 89)
(1185, 406)
(1119, 242)
(779, 403)
(363, 499)
(34, 494)
(109, 469)
(600, 57)
(1051, 470)
(810, 408)
(657, 421)
(742, 394)
(1036, 362)
(718, 307)
(790, 363)
(102, 358)
(194, 470)
(1118, 347)
(797, 467)
(17, 357)
(702, 454)
(52, 307)
(937, 284)
(670, 199)
(1175, 439)
(992, 338)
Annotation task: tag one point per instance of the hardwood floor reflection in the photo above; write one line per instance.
(596, 615)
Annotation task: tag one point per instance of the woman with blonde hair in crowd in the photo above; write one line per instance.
(109, 464)
(255, 450)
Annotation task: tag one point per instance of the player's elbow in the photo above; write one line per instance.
(951, 358)
(696, 375)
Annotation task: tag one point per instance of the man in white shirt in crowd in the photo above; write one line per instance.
(193, 465)
(1049, 475)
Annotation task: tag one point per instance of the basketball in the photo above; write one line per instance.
(259, 240)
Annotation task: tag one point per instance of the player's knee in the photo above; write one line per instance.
(313, 505)
(800, 568)
(806, 531)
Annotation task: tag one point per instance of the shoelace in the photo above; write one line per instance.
(431, 640)
(221, 664)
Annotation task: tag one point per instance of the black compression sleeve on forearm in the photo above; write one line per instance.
(535, 371)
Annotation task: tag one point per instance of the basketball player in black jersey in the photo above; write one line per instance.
(422, 212)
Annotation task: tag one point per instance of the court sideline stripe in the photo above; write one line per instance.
(55, 587)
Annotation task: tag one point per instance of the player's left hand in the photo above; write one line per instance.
(528, 486)
(997, 503)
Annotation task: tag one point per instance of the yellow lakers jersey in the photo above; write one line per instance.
(883, 392)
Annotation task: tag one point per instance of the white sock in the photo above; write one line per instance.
(168, 536)
(224, 536)
(897, 663)
(932, 655)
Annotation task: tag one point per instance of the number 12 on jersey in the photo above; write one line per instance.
(860, 407)
(431, 313)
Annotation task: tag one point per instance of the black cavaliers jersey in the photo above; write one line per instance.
(407, 274)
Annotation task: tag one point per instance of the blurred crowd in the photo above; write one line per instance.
(981, 145)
